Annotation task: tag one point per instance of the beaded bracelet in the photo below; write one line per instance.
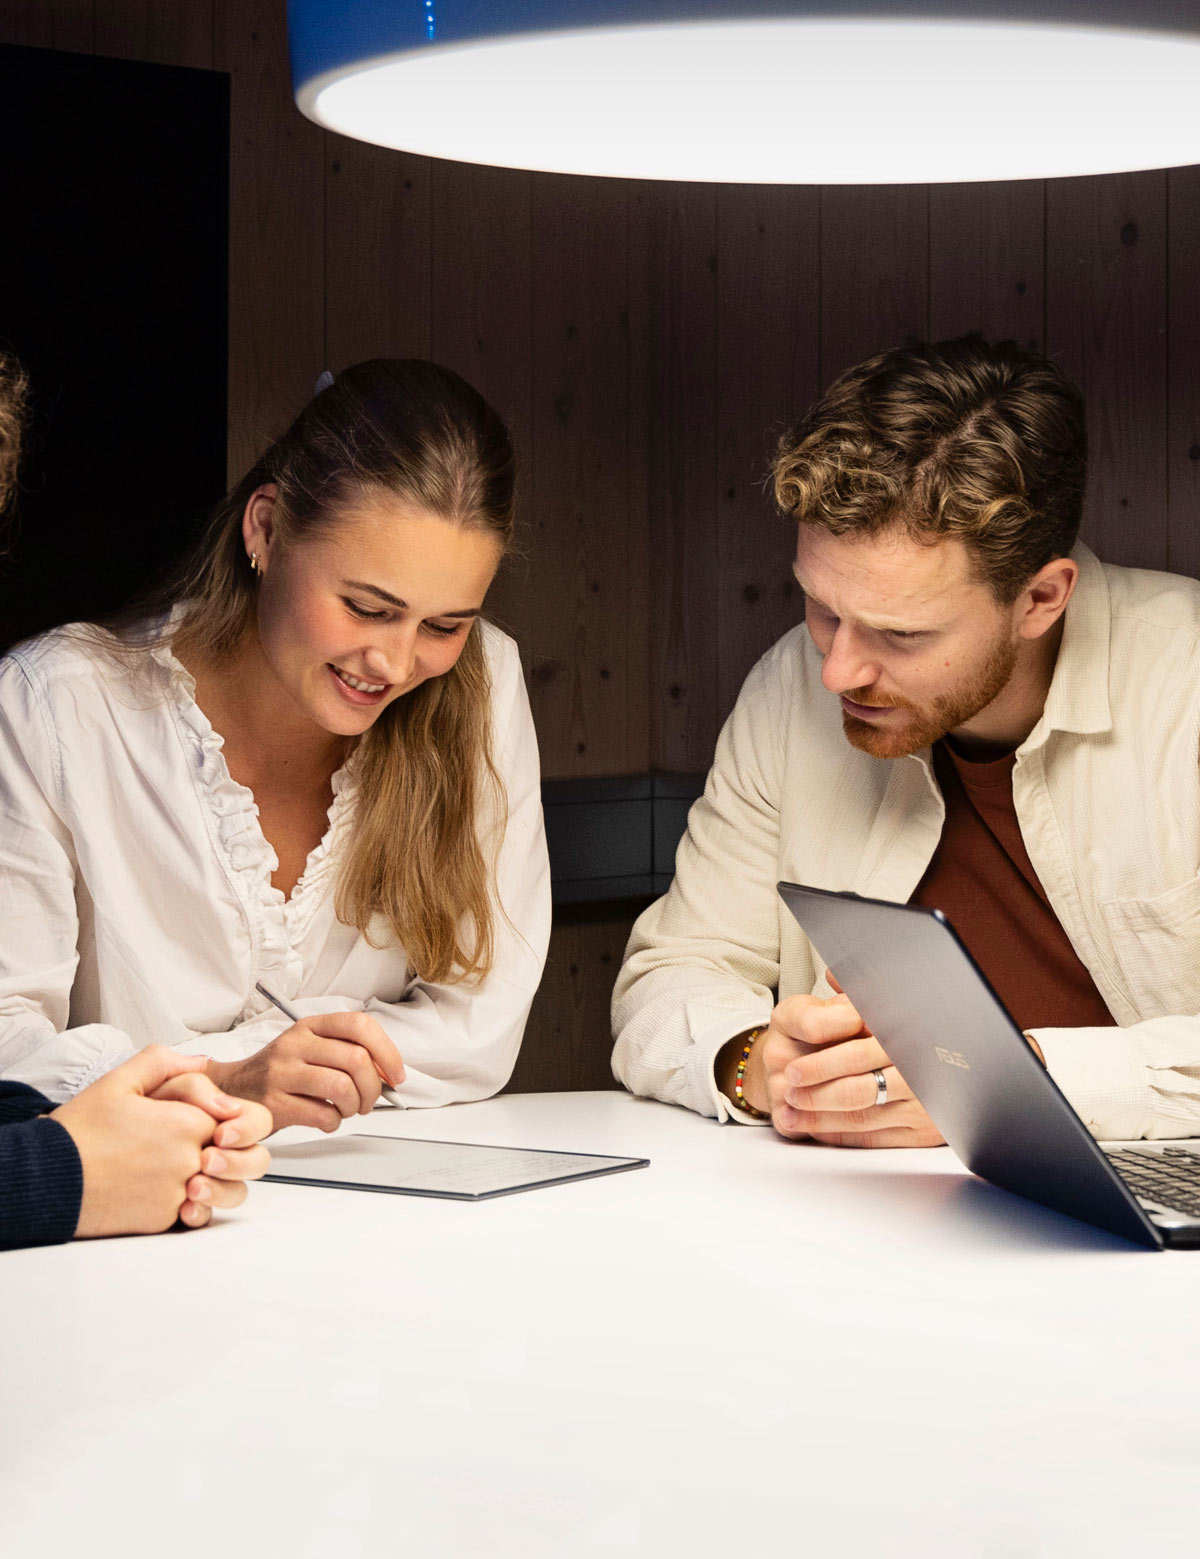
(739, 1076)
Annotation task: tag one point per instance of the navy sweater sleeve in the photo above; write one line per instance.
(41, 1174)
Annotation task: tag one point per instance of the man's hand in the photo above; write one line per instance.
(235, 1153)
(811, 1071)
(318, 1072)
(139, 1154)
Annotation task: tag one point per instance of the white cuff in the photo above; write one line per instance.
(1103, 1075)
(710, 1045)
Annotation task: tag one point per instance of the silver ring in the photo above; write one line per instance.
(880, 1087)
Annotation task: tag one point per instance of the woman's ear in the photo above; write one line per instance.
(258, 522)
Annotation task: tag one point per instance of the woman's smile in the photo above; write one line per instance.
(358, 691)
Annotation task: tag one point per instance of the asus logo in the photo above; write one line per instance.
(952, 1057)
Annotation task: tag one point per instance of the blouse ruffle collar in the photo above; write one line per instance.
(277, 924)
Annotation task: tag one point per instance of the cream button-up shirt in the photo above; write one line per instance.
(136, 902)
(1107, 794)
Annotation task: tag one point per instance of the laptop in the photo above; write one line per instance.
(920, 991)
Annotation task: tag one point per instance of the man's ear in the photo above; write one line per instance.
(258, 520)
(1045, 597)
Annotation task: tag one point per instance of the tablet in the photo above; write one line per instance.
(409, 1166)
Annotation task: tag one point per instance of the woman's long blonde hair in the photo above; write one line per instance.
(428, 803)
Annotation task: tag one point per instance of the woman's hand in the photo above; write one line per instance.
(318, 1072)
(235, 1153)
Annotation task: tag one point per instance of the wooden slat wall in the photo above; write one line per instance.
(581, 636)
(176, 34)
(378, 232)
(1106, 320)
(676, 275)
(768, 371)
(481, 325)
(276, 230)
(987, 248)
(647, 343)
(874, 272)
(1183, 371)
(55, 24)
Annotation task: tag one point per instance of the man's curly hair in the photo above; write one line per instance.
(14, 387)
(960, 438)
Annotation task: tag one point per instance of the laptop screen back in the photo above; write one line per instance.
(921, 994)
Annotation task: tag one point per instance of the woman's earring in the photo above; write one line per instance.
(255, 565)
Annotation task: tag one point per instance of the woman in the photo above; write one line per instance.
(316, 770)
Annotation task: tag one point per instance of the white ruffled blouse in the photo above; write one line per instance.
(136, 903)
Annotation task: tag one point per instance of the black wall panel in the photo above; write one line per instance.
(113, 292)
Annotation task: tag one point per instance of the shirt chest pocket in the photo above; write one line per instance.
(1157, 943)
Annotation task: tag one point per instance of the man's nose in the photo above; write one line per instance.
(847, 664)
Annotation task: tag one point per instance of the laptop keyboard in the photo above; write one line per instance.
(1170, 1178)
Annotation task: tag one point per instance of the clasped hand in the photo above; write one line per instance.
(812, 1071)
(158, 1141)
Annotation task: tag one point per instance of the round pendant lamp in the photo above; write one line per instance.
(763, 91)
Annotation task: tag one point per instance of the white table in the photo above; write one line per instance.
(750, 1347)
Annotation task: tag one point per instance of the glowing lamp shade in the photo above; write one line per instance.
(774, 92)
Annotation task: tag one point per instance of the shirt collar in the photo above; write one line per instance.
(1078, 697)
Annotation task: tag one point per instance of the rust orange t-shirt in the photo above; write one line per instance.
(982, 879)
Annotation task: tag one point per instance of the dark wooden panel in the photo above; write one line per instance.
(874, 272)
(640, 431)
(50, 24)
(377, 253)
(586, 649)
(568, 1039)
(768, 373)
(480, 322)
(276, 232)
(987, 246)
(177, 33)
(480, 326)
(1183, 373)
(676, 249)
(1106, 322)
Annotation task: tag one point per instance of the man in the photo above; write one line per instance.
(975, 715)
(153, 1142)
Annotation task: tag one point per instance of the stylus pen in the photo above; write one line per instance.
(277, 1001)
(293, 1016)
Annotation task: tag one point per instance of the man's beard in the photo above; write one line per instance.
(930, 722)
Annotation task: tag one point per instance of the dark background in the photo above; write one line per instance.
(113, 293)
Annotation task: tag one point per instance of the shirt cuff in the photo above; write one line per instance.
(62, 1065)
(705, 1051)
(1103, 1075)
(102, 1068)
(740, 1117)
